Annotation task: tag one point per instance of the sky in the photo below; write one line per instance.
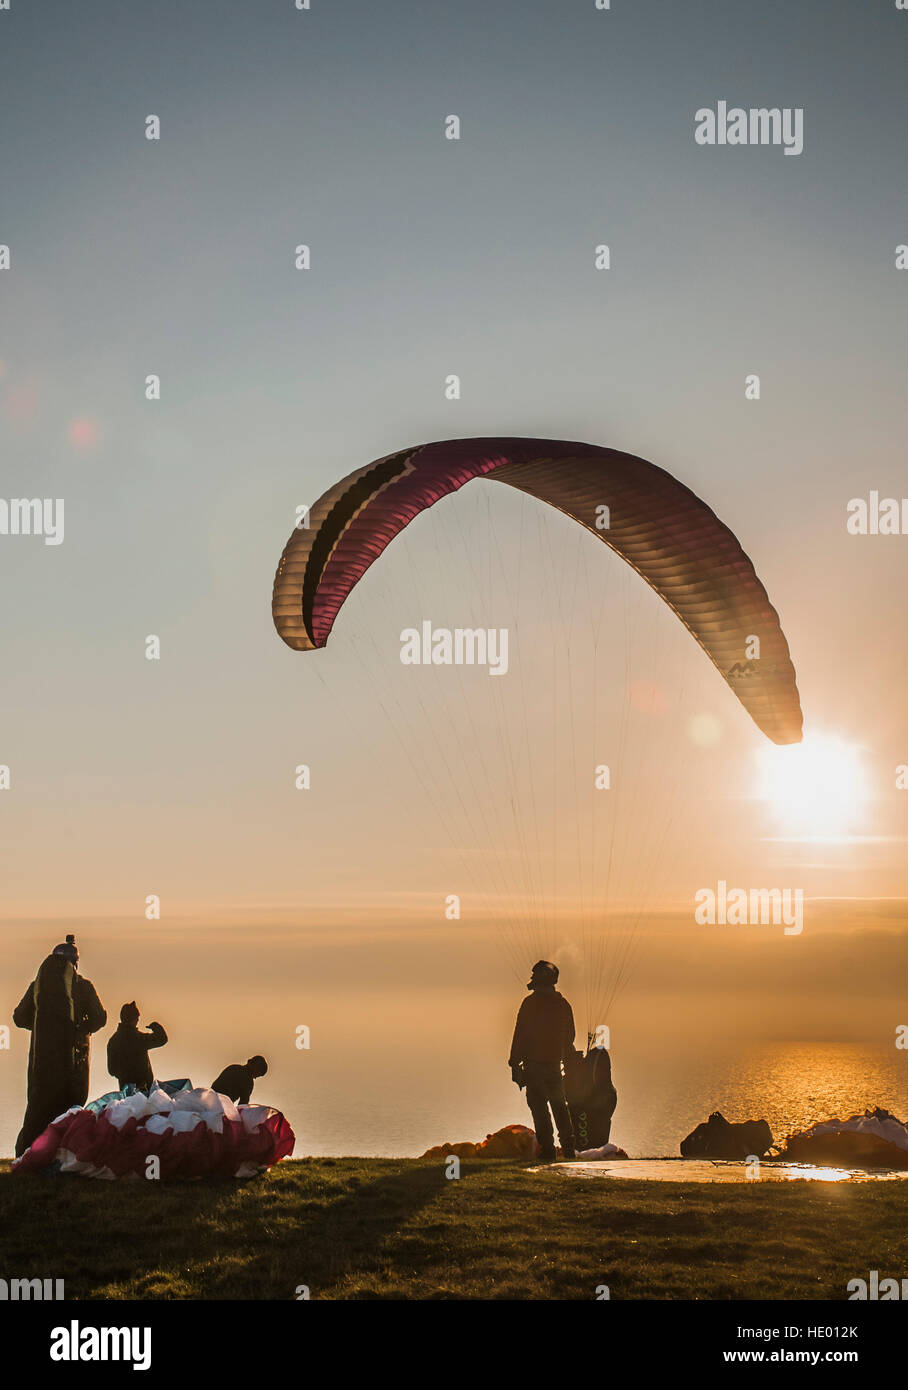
(429, 256)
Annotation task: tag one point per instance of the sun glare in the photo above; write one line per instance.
(816, 789)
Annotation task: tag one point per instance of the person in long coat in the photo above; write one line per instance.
(61, 1010)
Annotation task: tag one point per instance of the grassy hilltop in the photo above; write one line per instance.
(397, 1228)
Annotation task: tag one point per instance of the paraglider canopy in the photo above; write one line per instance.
(656, 524)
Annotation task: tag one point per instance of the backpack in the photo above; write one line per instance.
(591, 1097)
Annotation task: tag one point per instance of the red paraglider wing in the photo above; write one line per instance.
(667, 534)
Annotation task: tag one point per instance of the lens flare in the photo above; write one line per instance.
(704, 730)
(83, 432)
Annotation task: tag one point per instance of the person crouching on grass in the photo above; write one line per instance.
(543, 1039)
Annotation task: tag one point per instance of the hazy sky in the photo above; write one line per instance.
(429, 257)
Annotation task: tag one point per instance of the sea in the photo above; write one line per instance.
(375, 1097)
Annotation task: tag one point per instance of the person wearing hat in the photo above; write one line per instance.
(61, 1010)
(543, 1040)
(127, 1049)
(237, 1080)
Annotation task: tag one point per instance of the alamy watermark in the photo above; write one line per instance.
(33, 516)
(78, 1343)
(756, 125)
(723, 906)
(877, 516)
(459, 646)
(31, 1290)
(875, 1289)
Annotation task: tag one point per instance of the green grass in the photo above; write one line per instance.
(397, 1228)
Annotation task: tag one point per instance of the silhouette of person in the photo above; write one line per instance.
(543, 1039)
(237, 1080)
(61, 1010)
(127, 1049)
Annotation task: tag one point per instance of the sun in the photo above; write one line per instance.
(816, 789)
